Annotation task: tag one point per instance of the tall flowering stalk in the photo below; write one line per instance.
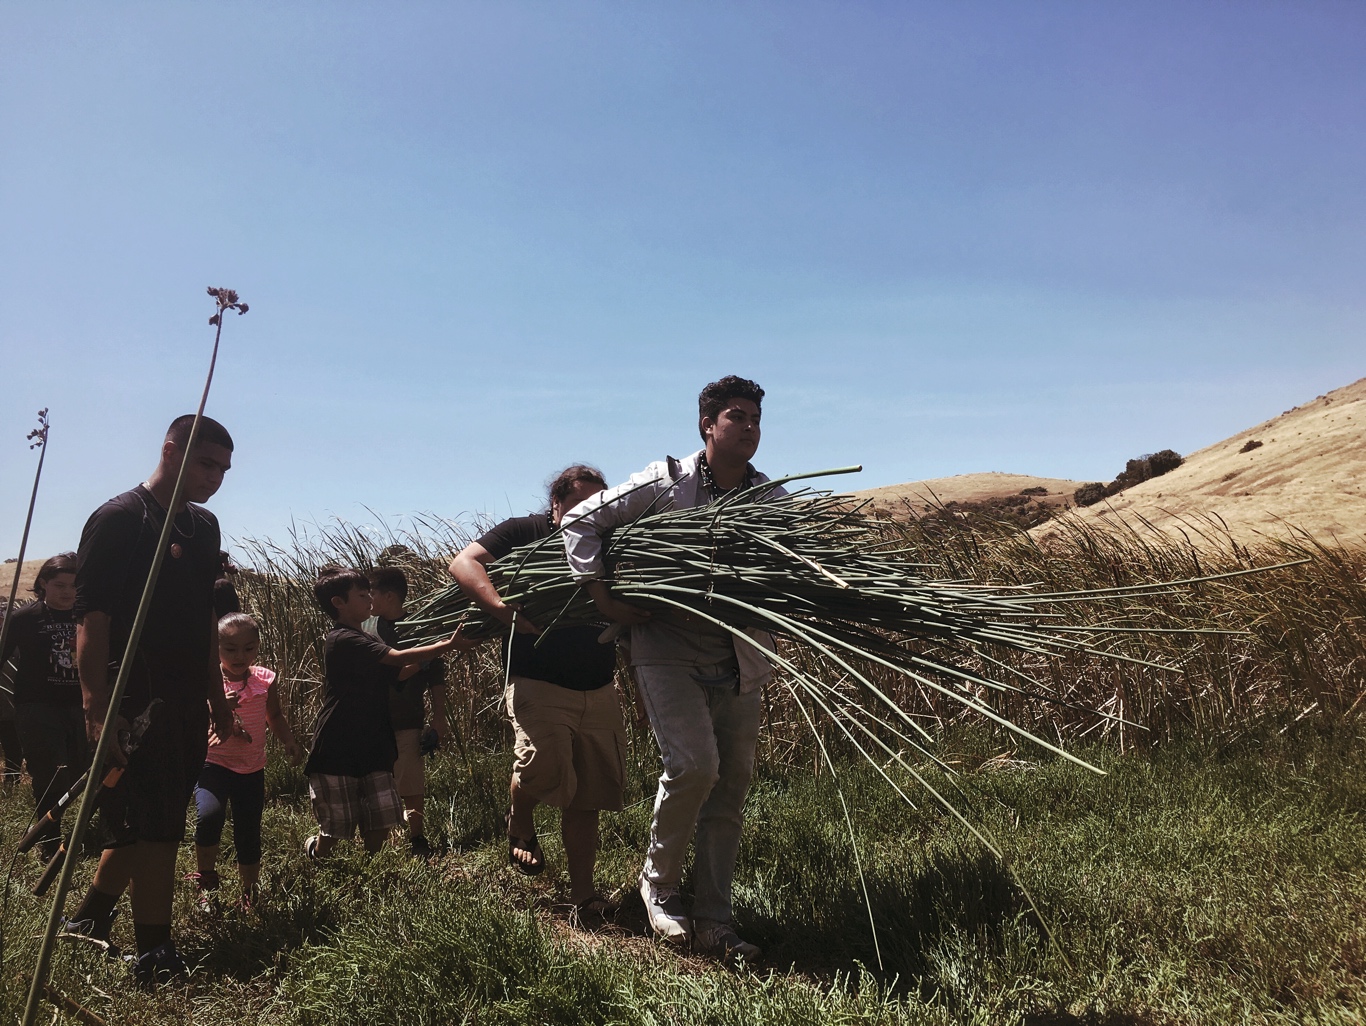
(226, 300)
(37, 439)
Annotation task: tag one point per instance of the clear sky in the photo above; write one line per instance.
(481, 241)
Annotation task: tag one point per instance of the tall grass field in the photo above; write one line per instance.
(1216, 872)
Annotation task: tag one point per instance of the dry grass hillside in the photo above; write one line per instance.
(1302, 471)
(969, 488)
(26, 578)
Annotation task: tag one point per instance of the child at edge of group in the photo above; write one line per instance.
(234, 770)
(351, 765)
(407, 710)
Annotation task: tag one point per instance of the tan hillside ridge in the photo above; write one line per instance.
(1309, 473)
(923, 495)
(27, 576)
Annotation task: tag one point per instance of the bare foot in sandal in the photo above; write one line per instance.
(524, 853)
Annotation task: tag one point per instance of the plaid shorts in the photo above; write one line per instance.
(343, 803)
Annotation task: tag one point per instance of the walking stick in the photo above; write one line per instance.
(227, 300)
(38, 438)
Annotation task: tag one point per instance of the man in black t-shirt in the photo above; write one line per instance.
(567, 720)
(176, 661)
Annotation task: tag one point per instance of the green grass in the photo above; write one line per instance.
(1193, 883)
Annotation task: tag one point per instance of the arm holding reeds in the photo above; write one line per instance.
(587, 524)
(470, 570)
(276, 721)
(412, 656)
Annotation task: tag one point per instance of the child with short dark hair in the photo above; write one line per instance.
(234, 770)
(350, 767)
(407, 710)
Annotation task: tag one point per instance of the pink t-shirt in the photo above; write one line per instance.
(237, 753)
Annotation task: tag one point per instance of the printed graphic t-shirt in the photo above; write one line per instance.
(45, 640)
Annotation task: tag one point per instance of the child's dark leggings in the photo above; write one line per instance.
(219, 786)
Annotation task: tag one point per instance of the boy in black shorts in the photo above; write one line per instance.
(176, 661)
(407, 710)
(351, 766)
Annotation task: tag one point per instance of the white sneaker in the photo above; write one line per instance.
(721, 942)
(664, 907)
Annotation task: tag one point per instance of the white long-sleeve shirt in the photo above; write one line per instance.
(668, 638)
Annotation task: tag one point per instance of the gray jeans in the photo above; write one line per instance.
(706, 733)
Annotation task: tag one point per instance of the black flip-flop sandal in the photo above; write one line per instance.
(528, 844)
(597, 905)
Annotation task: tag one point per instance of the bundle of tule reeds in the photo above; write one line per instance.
(817, 571)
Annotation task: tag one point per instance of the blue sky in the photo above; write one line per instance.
(481, 241)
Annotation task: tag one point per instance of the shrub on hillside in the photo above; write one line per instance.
(1162, 462)
(1134, 472)
(1154, 464)
(1089, 494)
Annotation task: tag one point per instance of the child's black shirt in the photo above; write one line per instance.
(353, 735)
(46, 642)
(407, 710)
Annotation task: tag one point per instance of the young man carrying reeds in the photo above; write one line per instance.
(176, 661)
(701, 687)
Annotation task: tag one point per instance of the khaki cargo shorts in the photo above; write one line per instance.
(570, 745)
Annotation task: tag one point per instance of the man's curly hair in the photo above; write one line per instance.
(712, 399)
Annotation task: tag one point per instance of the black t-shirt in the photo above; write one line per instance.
(172, 661)
(353, 735)
(45, 640)
(406, 708)
(568, 656)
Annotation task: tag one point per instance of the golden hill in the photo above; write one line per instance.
(1305, 470)
(26, 578)
(924, 495)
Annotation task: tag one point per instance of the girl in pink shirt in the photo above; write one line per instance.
(235, 769)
